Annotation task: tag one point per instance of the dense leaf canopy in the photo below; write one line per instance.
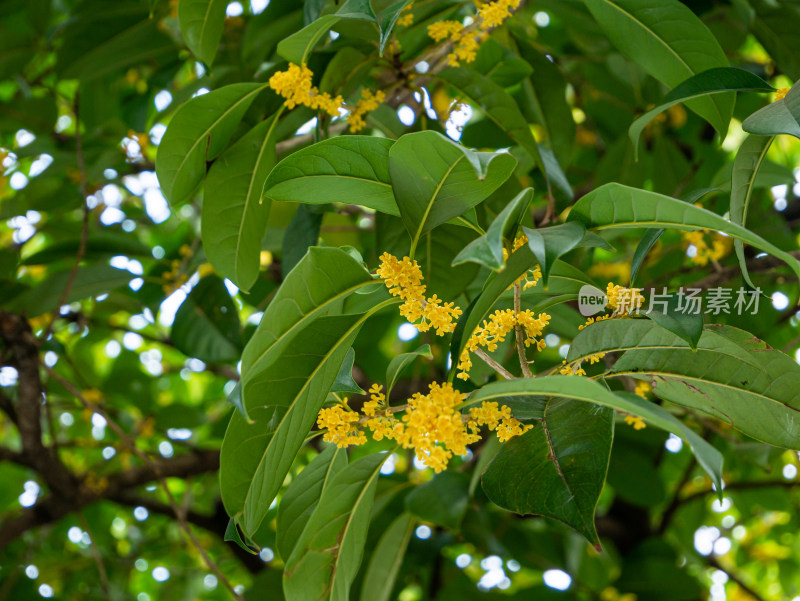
(337, 299)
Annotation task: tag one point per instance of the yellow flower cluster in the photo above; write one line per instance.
(643, 387)
(781, 94)
(720, 246)
(294, 85)
(623, 300)
(342, 426)
(403, 278)
(571, 369)
(369, 102)
(530, 277)
(635, 421)
(406, 16)
(496, 328)
(466, 42)
(432, 424)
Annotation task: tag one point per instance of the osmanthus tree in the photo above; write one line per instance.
(399, 300)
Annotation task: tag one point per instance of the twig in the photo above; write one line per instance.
(180, 515)
(714, 563)
(494, 364)
(523, 359)
(84, 225)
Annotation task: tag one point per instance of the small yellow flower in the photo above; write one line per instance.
(635, 421)
(369, 102)
(406, 16)
(643, 388)
(295, 86)
(781, 94)
(342, 426)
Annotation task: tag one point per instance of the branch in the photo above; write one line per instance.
(494, 364)
(728, 273)
(523, 359)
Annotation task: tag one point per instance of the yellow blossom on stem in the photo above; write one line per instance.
(642, 388)
(406, 16)
(369, 102)
(635, 421)
(623, 300)
(294, 85)
(781, 94)
(703, 252)
(571, 369)
(342, 426)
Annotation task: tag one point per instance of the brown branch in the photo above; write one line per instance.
(177, 510)
(728, 273)
(494, 364)
(520, 335)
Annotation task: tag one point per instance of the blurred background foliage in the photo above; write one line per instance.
(146, 342)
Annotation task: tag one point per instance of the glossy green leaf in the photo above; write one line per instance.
(386, 559)
(302, 233)
(387, 19)
(233, 535)
(589, 391)
(344, 169)
(206, 325)
(668, 313)
(201, 24)
(549, 243)
(746, 165)
(344, 382)
(671, 43)
(713, 81)
(779, 117)
(91, 280)
(761, 401)
(442, 500)
(303, 494)
(234, 216)
(648, 240)
(618, 206)
(327, 556)
(619, 335)
(299, 45)
(293, 359)
(198, 133)
(398, 363)
(434, 179)
(498, 105)
(142, 42)
(557, 469)
(487, 250)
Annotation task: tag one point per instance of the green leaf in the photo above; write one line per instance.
(746, 165)
(207, 325)
(615, 335)
(299, 45)
(589, 391)
(434, 179)
(386, 559)
(141, 43)
(498, 105)
(557, 469)
(302, 233)
(713, 81)
(233, 535)
(300, 499)
(442, 500)
(292, 361)
(91, 280)
(689, 326)
(776, 25)
(646, 243)
(487, 250)
(779, 117)
(344, 379)
(670, 43)
(387, 19)
(235, 399)
(618, 206)
(198, 133)
(327, 556)
(202, 22)
(398, 363)
(760, 400)
(344, 169)
(234, 216)
(549, 243)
